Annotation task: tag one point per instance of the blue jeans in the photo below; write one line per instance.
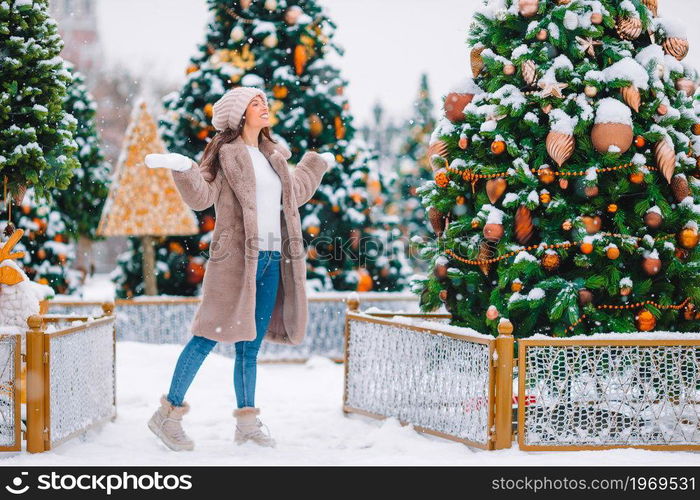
(245, 367)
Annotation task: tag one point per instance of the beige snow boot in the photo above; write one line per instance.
(166, 423)
(248, 427)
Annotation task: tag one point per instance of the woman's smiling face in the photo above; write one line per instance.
(257, 114)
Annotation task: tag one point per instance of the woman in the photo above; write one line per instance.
(254, 287)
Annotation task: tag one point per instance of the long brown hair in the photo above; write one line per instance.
(209, 165)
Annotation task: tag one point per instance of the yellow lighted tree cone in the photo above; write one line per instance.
(144, 201)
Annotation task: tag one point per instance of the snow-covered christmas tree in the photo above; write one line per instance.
(36, 132)
(413, 169)
(575, 152)
(281, 47)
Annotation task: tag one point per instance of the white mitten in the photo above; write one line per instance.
(328, 158)
(173, 161)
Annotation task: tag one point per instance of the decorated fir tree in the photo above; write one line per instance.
(49, 251)
(414, 169)
(575, 150)
(144, 203)
(80, 204)
(281, 47)
(36, 132)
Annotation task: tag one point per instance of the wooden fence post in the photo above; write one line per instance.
(108, 310)
(35, 385)
(504, 387)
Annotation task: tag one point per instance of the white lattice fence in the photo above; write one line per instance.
(80, 378)
(439, 381)
(168, 320)
(621, 392)
(10, 436)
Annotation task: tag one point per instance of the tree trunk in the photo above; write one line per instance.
(149, 265)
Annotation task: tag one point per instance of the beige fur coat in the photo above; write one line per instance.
(227, 310)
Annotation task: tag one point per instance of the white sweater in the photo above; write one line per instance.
(268, 196)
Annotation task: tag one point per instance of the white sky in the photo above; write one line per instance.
(388, 43)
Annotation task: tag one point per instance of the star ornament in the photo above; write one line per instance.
(552, 89)
(588, 45)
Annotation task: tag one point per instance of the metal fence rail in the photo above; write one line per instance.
(168, 320)
(589, 394)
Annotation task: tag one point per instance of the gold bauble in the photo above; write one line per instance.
(676, 47)
(528, 8)
(590, 91)
(509, 69)
(629, 28)
(688, 238)
(665, 155)
(542, 35)
(495, 188)
(493, 232)
(516, 286)
(560, 146)
(545, 197)
(651, 265)
(653, 220)
(454, 105)
(604, 135)
(492, 312)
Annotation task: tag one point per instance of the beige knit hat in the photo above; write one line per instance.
(229, 110)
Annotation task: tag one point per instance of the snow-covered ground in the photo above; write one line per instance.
(301, 405)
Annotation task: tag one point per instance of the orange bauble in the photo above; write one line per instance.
(612, 208)
(441, 178)
(696, 129)
(203, 134)
(279, 91)
(646, 321)
(463, 142)
(498, 147)
(209, 109)
(203, 245)
(364, 283)
(516, 286)
(636, 177)
(41, 254)
(546, 175)
(192, 68)
(176, 247)
(586, 247)
(612, 253)
(207, 224)
(640, 141)
(313, 230)
(26, 209)
(195, 273)
(551, 261)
